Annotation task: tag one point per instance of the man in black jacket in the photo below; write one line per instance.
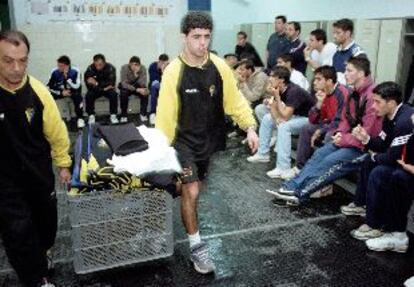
(100, 79)
(381, 179)
(244, 47)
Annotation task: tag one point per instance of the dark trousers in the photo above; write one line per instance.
(124, 99)
(28, 225)
(387, 193)
(78, 103)
(92, 95)
(304, 150)
(155, 90)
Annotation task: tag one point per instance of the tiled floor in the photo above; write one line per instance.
(253, 242)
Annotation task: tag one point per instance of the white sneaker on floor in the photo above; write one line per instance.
(291, 199)
(91, 119)
(123, 120)
(114, 119)
(393, 241)
(365, 232)
(273, 140)
(352, 209)
(276, 172)
(324, 191)
(152, 119)
(143, 118)
(280, 191)
(409, 282)
(81, 123)
(259, 158)
(288, 174)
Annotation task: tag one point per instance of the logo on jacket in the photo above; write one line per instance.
(212, 90)
(191, 91)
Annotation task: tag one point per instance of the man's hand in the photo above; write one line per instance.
(64, 175)
(107, 88)
(142, 91)
(91, 81)
(66, 93)
(320, 96)
(252, 140)
(316, 135)
(406, 166)
(307, 52)
(360, 134)
(336, 139)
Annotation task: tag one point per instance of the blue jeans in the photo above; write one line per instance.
(261, 110)
(327, 164)
(155, 89)
(285, 131)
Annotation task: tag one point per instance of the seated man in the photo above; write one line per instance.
(346, 153)
(319, 52)
(288, 114)
(296, 77)
(133, 82)
(323, 117)
(244, 46)
(155, 71)
(231, 60)
(251, 82)
(65, 83)
(384, 187)
(100, 78)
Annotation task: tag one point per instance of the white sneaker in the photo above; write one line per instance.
(365, 232)
(276, 173)
(232, 135)
(46, 283)
(288, 174)
(352, 209)
(143, 118)
(393, 241)
(259, 158)
(91, 119)
(124, 120)
(409, 282)
(324, 191)
(152, 119)
(272, 141)
(280, 191)
(114, 119)
(81, 123)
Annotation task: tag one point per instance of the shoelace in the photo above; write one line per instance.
(202, 254)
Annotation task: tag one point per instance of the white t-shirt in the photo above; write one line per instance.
(325, 56)
(299, 79)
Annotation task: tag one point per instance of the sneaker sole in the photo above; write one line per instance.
(350, 213)
(398, 250)
(276, 193)
(274, 176)
(363, 238)
(202, 271)
(260, 161)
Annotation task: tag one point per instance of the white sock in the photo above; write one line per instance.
(194, 238)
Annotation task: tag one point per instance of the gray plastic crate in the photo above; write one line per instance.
(110, 229)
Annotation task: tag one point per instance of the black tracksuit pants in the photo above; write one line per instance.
(28, 225)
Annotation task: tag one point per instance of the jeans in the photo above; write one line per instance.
(285, 131)
(327, 164)
(155, 90)
(261, 110)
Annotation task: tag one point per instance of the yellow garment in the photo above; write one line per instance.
(53, 127)
(93, 164)
(83, 174)
(235, 105)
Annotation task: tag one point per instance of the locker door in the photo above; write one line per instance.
(389, 50)
(260, 35)
(367, 34)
